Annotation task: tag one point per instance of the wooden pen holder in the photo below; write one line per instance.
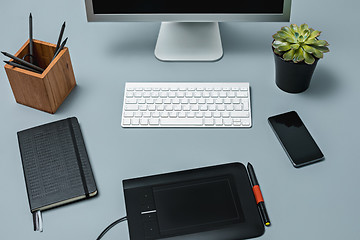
(48, 90)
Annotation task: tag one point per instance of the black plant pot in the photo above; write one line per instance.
(293, 77)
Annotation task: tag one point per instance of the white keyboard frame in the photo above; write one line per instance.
(187, 85)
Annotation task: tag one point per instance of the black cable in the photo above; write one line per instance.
(110, 226)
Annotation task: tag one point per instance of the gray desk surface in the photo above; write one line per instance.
(314, 202)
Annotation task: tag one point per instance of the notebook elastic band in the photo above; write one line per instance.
(82, 174)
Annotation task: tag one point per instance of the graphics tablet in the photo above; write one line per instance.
(212, 203)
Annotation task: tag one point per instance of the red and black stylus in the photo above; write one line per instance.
(258, 196)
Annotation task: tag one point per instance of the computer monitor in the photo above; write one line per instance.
(189, 30)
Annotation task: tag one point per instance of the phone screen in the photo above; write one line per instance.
(295, 139)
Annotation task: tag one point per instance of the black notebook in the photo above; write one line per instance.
(56, 165)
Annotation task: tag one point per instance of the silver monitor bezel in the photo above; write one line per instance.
(91, 17)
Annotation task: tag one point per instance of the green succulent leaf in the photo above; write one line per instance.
(311, 41)
(287, 29)
(306, 33)
(297, 35)
(294, 27)
(317, 53)
(295, 46)
(288, 37)
(314, 34)
(304, 27)
(299, 55)
(277, 37)
(276, 51)
(322, 43)
(308, 49)
(291, 39)
(278, 43)
(289, 55)
(284, 47)
(309, 59)
(323, 49)
(301, 39)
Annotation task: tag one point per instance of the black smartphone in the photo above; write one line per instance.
(296, 140)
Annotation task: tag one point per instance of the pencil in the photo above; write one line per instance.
(60, 37)
(60, 48)
(23, 62)
(31, 50)
(21, 66)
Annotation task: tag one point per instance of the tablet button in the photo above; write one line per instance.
(149, 216)
(150, 229)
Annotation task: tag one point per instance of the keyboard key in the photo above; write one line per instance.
(126, 121)
(172, 114)
(227, 121)
(135, 121)
(181, 121)
(143, 121)
(154, 121)
(208, 114)
(218, 122)
(182, 115)
(237, 122)
(131, 107)
(239, 114)
(131, 100)
(245, 103)
(128, 114)
(209, 122)
(245, 122)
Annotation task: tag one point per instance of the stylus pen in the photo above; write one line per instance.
(22, 66)
(31, 50)
(258, 196)
(23, 62)
(60, 37)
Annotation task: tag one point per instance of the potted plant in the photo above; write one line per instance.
(297, 50)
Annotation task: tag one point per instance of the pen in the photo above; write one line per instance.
(60, 48)
(22, 66)
(60, 36)
(258, 196)
(31, 52)
(23, 62)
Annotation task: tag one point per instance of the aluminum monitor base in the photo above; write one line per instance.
(189, 41)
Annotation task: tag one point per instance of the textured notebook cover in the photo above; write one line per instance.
(55, 163)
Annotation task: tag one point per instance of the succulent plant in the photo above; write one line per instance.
(299, 43)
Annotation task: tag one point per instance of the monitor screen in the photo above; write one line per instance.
(188, 6)
(188, 10)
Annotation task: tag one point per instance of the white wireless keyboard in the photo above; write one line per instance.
(186, 104)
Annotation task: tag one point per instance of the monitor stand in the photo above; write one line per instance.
(189, 41)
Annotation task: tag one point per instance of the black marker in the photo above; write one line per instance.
(258, 196)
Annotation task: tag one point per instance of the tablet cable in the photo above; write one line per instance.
(111, 226)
